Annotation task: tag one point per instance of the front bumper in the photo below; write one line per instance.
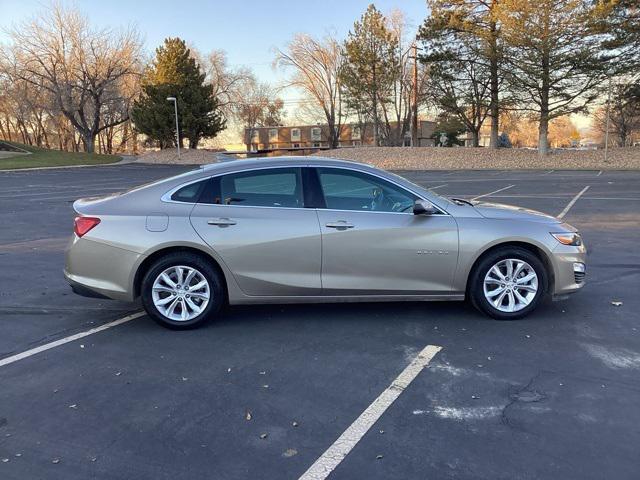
(569, 268)
(98, 269)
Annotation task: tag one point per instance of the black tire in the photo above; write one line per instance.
(476, 282)
(211, 274)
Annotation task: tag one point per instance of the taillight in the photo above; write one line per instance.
(81, 225)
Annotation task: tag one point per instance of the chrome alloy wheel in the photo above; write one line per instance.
(180, 293)
(510, 285)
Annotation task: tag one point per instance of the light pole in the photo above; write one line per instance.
(414, 137)
(414, 122)
(175, 106)
(606, 134)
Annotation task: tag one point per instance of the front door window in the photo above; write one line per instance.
(358, 191)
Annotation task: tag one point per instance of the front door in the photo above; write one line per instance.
(373, 244)
(256, 222)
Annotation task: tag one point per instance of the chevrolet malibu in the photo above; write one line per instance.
(304, 229)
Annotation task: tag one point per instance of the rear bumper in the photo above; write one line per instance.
(94, 268)
(84, 291)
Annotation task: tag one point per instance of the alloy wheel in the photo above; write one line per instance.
(181, 293)
(510, 285)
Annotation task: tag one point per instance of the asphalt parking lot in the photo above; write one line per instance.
(264, 391)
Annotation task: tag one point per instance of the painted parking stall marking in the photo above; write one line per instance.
(331, 458)
(573, 202)
(62, 341)
(491, 193)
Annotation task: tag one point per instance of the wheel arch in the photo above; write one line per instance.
(536, 250)
(148, 261)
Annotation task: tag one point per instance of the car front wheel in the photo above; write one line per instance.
(182, 291)
(508, 283)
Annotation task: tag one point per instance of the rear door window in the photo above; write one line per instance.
(274, 187)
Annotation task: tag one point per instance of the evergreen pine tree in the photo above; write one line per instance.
(174, 73)
(370, 66)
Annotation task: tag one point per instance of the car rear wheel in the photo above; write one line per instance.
(182, 291)
(508, 283)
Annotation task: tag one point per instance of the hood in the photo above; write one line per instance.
(509, 212)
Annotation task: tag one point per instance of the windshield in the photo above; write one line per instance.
(419, 187)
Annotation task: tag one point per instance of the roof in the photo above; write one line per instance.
(254, 162)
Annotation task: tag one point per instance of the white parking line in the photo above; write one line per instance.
(41, 195)
(62, 341)
(572, 202)
(491, 193)
(330, 459)
(599, 173)
(547, 173)
(76, 195)
(439, 186)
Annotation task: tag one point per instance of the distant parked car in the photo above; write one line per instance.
(305, 229)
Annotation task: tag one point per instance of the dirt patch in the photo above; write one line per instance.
(187, 157)
(435, 158)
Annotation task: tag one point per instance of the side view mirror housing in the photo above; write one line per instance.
(423, 207)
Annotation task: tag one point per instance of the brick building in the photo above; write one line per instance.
(317, 136)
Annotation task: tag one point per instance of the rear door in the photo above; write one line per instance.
(258, 224)
(372, 243)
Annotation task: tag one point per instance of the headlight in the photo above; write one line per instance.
(572, 239)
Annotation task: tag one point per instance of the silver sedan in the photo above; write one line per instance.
(305, 229)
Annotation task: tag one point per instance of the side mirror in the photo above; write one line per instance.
(423, 207)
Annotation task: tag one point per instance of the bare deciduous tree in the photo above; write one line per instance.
(316, 68)
(229, 85)
(397, 102)
(81, 69)
(624, 112)
(258, 109)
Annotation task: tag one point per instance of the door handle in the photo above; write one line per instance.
(340, 225)
(222, 222)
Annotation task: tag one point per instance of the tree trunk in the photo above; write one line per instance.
(110, 134)
(134, 139)
(543, 130)
(124, 140)
(8, 128)
(376, 121)
(475, 138)
(494, 103)
(89, 142)
(2, 131)
(623, 138)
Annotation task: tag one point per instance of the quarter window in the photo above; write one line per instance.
(189, 193)
(278, 187)
(351, 190)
